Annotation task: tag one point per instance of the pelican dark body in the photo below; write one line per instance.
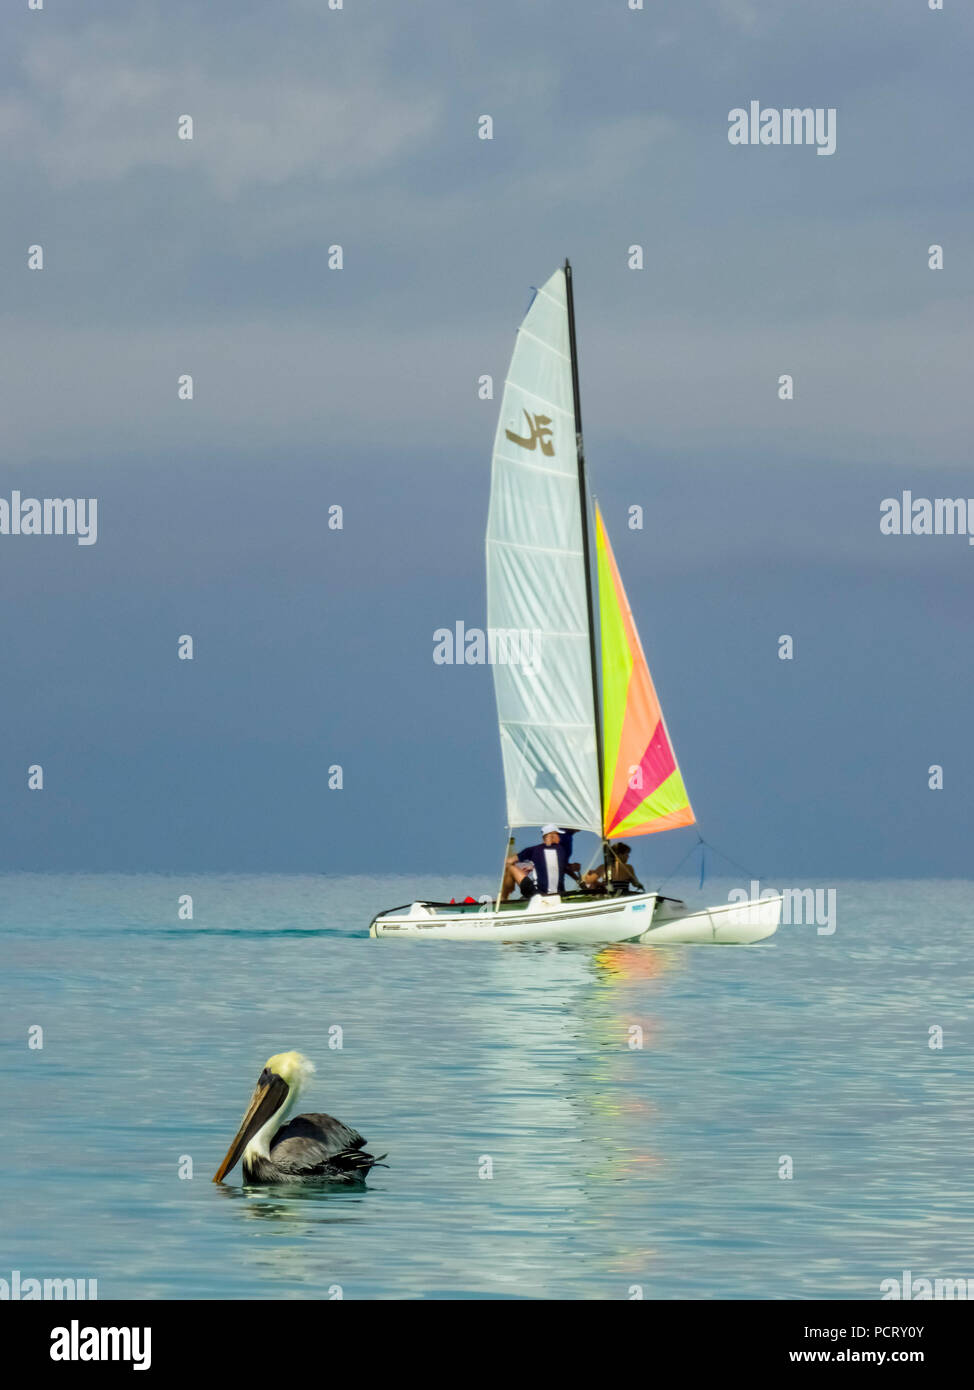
(309, 1148)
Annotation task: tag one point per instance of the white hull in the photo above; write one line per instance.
(730, 924)
(635, 917)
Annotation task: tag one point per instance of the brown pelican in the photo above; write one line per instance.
(311, 1148)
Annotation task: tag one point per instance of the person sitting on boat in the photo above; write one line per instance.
(621, 872)
(541, 868)
(517, 871)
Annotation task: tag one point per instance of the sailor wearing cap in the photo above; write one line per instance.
(548, 861)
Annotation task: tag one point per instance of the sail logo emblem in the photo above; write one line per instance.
(540, 427)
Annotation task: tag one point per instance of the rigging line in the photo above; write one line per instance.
(727, 859)
(672, 874)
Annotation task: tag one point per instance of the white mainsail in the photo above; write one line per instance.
(537, 601)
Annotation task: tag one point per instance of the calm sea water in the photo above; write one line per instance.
(612, 1166)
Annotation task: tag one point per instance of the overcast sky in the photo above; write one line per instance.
(313, 387)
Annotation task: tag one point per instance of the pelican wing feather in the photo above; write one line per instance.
(310, 1142)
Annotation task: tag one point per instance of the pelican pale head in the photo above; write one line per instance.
(276, 1091)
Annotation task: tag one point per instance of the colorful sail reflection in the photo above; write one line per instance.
(644, 789)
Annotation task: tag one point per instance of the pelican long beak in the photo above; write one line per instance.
(269, 1095)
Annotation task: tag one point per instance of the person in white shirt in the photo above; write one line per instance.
(548, 862)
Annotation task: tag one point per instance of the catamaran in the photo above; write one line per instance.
(577, 751)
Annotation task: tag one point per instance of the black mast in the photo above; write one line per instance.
(586, 551)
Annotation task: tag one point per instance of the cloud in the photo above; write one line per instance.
(102, 104)
(740, 12)
(755, 265)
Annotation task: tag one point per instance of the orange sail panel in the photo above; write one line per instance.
(644, 790)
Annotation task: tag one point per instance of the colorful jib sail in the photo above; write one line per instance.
(643, 788)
